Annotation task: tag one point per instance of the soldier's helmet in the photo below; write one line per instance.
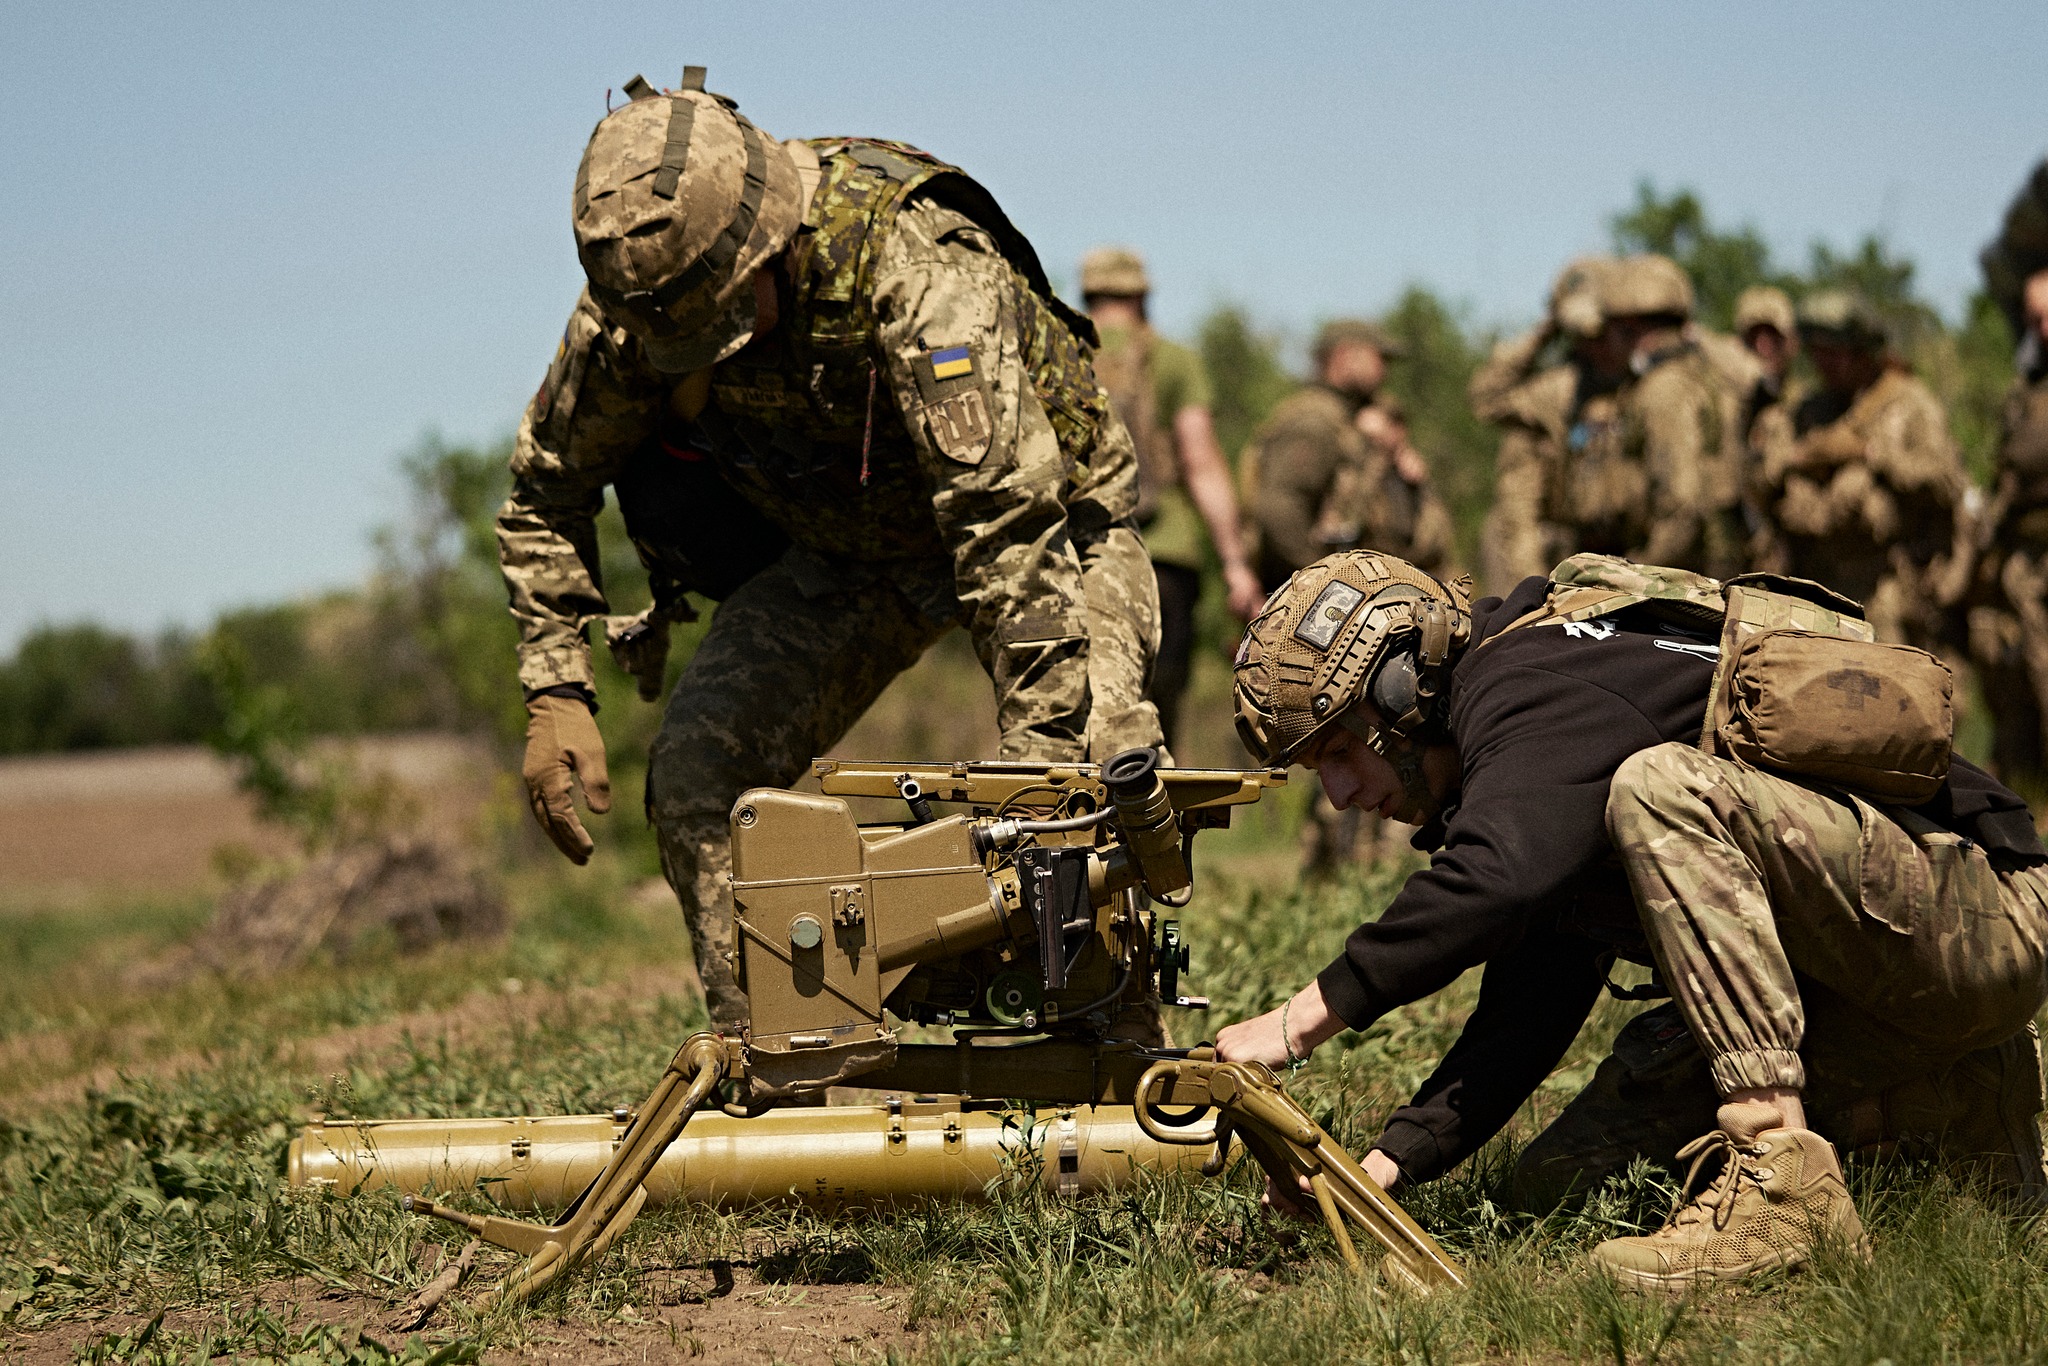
(1763, 306)
(1645, 286)
(678, 202)
(1355, 332)
(1357, 627)
(1575, 295)
(1842, 316)
(1115, 271)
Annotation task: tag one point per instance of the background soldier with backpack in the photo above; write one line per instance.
(1161, 392)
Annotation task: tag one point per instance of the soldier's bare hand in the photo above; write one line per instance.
(563, 748)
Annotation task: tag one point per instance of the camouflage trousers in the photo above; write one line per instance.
(1798, 926)
(783, 674)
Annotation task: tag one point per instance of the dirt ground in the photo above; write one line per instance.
(725, 1313)
(151, 819)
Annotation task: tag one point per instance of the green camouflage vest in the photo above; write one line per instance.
(806, 428)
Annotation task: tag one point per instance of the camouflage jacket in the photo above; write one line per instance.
(923, 411)
(1861, 487)
(1312, 484)
(2018, 516)
(1650, 470)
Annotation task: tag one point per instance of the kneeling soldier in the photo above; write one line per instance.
(1829, 941)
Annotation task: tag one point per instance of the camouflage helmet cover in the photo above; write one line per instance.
(1575, 295)
(678, 201)
(1648, 285)
(1355, 332)
(1842, 315)
(1764, 306)
(1351, 626)
(1115, 271)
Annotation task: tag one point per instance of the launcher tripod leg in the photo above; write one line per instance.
(614, 1196)
(1291, 1146)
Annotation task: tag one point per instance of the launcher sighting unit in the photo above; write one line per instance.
(1024, 923)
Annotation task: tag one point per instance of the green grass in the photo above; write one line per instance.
(164, 1191)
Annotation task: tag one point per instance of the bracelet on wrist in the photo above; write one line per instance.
(1295, 1062)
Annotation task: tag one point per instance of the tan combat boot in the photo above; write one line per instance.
(1779, 1194)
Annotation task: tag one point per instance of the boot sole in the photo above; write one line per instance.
(1674, 1281)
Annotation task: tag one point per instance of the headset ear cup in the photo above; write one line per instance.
(1395, 688)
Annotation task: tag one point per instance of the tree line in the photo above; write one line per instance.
(426, 643)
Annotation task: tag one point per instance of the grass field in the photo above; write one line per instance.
(143, 1215)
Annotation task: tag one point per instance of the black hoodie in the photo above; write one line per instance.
(1523, 879)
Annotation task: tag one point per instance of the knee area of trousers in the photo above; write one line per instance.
(1649, 778)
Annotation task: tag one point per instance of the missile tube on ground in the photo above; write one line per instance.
(833, 1157)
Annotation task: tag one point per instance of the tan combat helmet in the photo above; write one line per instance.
(1116, 271)
(1355, 332)
(1645, 286)
(1355, 626)
(1575, 295)
(1843, 316)
(679, 200)
(1763, 306)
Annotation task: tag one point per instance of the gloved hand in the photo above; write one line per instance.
(562, 742)
(639, 645)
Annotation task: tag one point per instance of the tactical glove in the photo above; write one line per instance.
(562, 742)
(639, 645)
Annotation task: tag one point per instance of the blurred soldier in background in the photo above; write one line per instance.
(1290, 466)
(2004, 587)
(836, 363)
(1765, 322)
(1333, 469)
(1161, 392)
(1863, 490)
(1637, 453)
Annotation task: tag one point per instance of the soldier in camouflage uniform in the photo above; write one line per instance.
(855, 341)
(1332, 469)
(1184, 488)
(2003, 585)
(1863, 490)
(1631, 446)
(1833, 964)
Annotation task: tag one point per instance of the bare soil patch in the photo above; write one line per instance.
(725, 1314)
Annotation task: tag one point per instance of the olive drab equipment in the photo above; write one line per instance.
(1800, 686)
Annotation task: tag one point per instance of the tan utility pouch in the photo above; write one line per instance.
(1803, 690)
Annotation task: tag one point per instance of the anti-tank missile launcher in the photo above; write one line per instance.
(1027, 923)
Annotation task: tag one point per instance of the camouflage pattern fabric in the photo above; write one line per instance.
(792, 660)
(1650, 470)
(1314, 484)
(981, 484)
(2005, 593)
(1653, 1093)
(1759, 895)
(1862, 497)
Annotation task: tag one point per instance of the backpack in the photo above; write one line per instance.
(1801, 687)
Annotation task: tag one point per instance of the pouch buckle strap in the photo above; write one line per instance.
(720, 255)
(675, 152)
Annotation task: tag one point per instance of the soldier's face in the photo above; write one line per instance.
(1843, 368)
(1355, 368)
(2035, 299)
(1352, 773)
(1770, 346)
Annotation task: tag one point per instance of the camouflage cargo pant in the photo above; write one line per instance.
(1803, 930)
(783, 674)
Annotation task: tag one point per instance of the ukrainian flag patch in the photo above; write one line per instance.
(951, 363)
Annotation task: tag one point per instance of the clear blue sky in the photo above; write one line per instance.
(249, 255)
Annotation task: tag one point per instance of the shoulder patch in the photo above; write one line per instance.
(956, 404)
